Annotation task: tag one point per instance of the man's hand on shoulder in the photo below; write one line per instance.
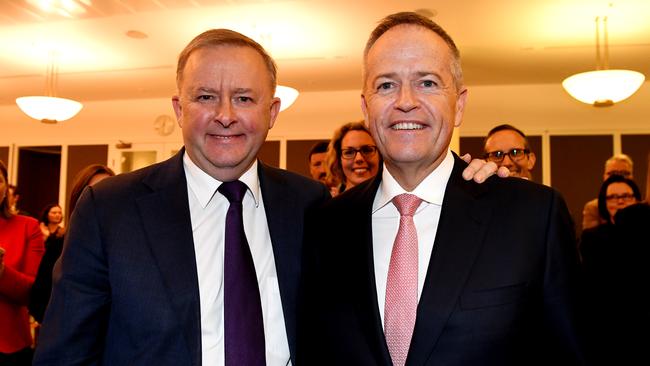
(479, 170)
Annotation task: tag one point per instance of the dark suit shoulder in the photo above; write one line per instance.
(299, 185)
(519, 189)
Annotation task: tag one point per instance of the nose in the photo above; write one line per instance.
(224, 113)
(507, 162)
(358, 158)
(406, 101)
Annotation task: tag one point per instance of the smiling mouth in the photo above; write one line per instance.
(407, 126)
(224, 137)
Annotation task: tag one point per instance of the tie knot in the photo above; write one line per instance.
(234, 191)
(406, 203)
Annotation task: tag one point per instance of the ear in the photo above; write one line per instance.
(275, 110)
(364, 110)
(531, 161)
(460, 107)
(178, 110)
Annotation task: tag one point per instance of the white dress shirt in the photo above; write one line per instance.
(208, 210)
(385, 222)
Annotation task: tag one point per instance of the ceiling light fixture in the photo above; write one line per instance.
(287, 95)
(603, 87)
(64, 8)
(49, 108)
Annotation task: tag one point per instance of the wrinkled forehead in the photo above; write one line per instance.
(224, 56)
(404, 41)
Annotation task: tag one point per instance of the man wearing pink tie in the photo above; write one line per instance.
(421, 267)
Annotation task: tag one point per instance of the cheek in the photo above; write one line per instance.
(346, 164)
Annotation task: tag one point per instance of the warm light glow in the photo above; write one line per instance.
(65, 8)
(603, 87)
(287, 95)
(49, 109)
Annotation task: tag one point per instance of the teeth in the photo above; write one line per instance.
(407, 126)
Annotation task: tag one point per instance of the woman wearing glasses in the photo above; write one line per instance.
(352, 157)
(606, 252)
(616, 193)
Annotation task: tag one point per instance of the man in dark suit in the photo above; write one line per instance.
(144, 275)
(421, 267)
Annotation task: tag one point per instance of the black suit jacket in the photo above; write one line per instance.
(499, 287)
(126, 290)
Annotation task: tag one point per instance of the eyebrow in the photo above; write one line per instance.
(419, 74)
(243, 90)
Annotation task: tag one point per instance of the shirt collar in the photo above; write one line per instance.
(431, 189)
(204, 186)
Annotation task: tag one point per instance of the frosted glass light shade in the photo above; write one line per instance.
(603, 87)
(49, 109)
(287, 96)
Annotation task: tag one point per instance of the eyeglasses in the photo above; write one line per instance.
(622, 173)
(514, 154)
(624, 197)
(365, 150)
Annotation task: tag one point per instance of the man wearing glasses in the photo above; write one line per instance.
(507, 146)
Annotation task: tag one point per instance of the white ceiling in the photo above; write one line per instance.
(317, 43)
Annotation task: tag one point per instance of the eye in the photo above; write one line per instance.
(205, 97)
(243, 99)
(429, 83)
(385, 86)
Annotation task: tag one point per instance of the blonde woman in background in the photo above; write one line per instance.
(352, 157)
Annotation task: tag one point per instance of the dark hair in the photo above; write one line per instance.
(507, 127)
(333, 162)
(602, 195)
(223, 37)
(46, 211)
(411, 18)
(5, 210)
(81, 181)
(318, 148)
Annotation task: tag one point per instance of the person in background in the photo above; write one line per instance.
(352, 156)
(86, 177)
(614, 268)
(508, 146)
(50, 222)
(13, 195)
(42, 288)
(619, 164)
(616, 192)
(419, 266)
(21, 249)
(316, 159)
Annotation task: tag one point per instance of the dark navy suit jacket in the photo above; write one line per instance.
(126, 290)
(499, 288)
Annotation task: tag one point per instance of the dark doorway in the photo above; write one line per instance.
(39, 170)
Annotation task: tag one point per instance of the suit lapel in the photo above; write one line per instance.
(284, 217)
(167, 224)
(462, 225)
(367, 306)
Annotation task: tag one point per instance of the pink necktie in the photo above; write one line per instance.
(402, 285)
